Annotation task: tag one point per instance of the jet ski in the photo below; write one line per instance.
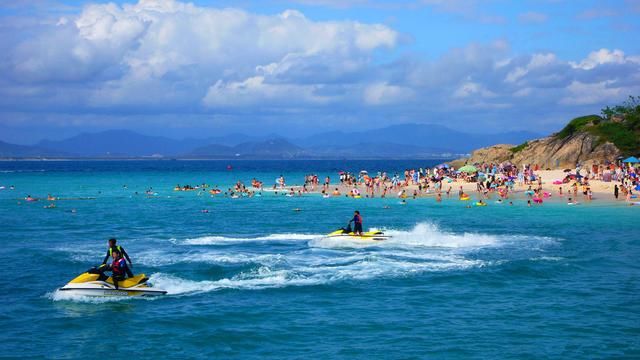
(347, 233)
(94, 283)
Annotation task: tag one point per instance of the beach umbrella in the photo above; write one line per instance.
(468, 169)
(631, 160)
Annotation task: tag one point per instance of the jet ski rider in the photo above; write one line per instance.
(118, 268)
(113, 247)
(357, 223)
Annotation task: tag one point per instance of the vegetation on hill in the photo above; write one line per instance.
(619, 125)
(519, 148)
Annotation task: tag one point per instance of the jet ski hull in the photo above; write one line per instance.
(366, 236)
(101, 288)
(92, 283)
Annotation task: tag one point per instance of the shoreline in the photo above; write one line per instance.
(602, 191)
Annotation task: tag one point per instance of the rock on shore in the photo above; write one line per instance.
(550, 152)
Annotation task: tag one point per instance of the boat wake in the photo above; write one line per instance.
(218, 240)
(286, 260)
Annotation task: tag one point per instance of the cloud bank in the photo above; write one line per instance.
(165, 56)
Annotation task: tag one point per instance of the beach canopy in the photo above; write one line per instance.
(468, 169)
(631, 159)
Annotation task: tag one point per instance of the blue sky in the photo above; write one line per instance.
(298, 67)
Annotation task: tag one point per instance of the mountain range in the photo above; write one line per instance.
(397, 141)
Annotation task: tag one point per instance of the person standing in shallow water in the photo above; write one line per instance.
(616, 191)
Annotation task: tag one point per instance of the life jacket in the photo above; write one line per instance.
(118, 267)
(357, 219)
(117, 247)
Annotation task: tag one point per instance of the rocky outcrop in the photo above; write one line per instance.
(550, 152)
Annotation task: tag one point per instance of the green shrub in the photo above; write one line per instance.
(517, 149)
(625, 135)
(577, 124)
(623, 138)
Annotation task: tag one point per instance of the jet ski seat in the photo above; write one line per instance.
(128, 282)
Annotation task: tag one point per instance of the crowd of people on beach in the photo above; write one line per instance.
(483, 181)
(500, 180)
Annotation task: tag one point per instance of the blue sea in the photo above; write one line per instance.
(254, 279)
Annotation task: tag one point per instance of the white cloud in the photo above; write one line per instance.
(602, 56)
(255, 91)
(532, 17)
(537, 61)
(469, 89)
(166, 43)
(384, 94)
(168, 56)
(596, 93)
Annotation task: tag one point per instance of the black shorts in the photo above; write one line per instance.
(357, 227)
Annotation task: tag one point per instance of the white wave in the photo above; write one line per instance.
(548, 258)
(425, 248)
(431, 236)
(262, 279)
(366, 267)
(215, 240)
(158, 258)
(58, 295)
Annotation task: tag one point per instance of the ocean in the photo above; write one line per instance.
(254, 278)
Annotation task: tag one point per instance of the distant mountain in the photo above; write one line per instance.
(121, 143)
(237, 138)
(372, 150)
(21, 151)
(268, 149)
(397, 141)
(421, 135)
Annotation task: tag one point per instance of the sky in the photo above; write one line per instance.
(299, 67)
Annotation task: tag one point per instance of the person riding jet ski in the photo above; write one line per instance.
(118, 268)
(357, 223)
(120, 249)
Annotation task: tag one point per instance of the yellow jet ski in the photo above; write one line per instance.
(95, 283)
(350, 235)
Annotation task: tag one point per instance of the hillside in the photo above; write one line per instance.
(587, 139)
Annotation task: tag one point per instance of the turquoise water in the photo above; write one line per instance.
(254, 279)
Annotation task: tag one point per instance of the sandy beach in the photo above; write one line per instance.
(601, 190)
